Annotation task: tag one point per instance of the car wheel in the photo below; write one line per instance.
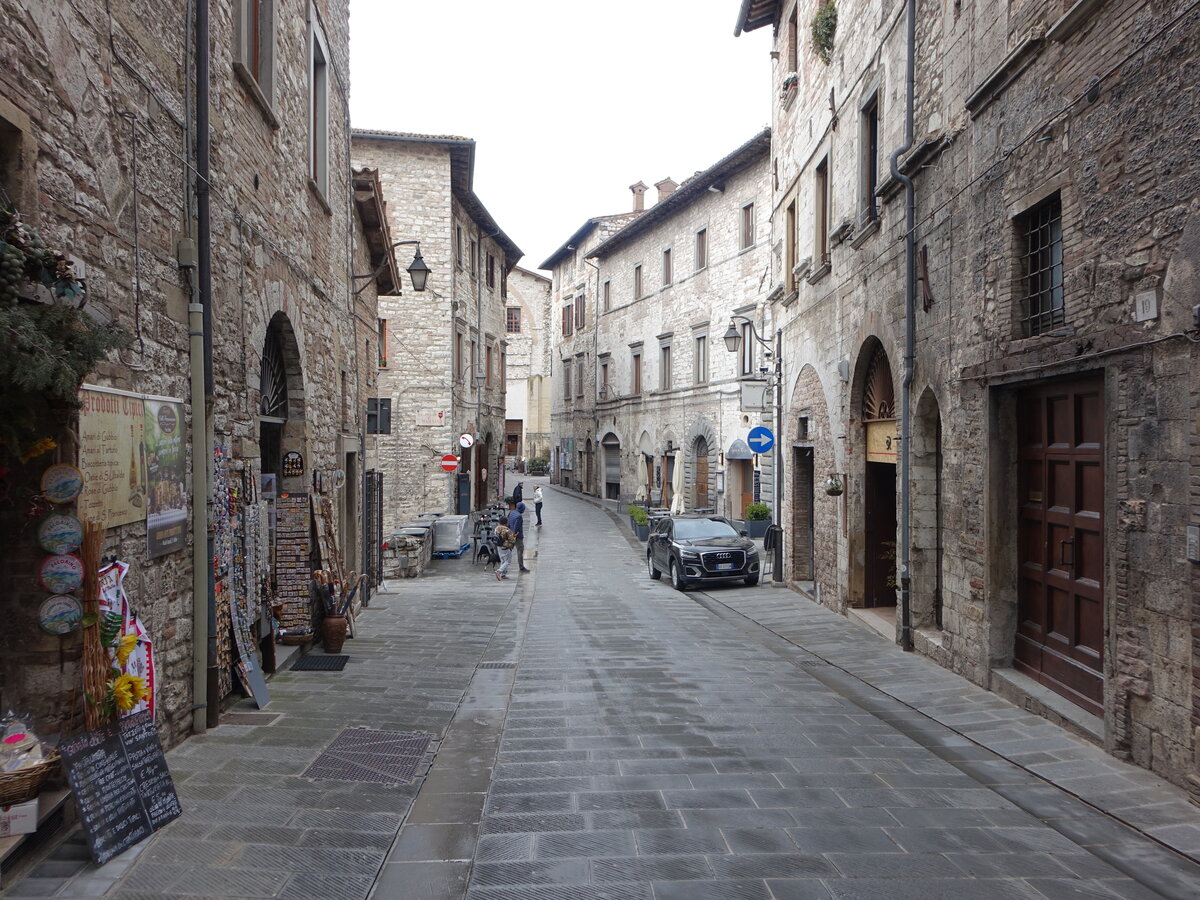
(654, 573)
(677, 581)
(751, 580)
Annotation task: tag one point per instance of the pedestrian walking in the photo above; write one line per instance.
(518, 492)
(537, 504)
(506, 540)
(516, 523)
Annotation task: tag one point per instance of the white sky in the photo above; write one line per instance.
(569, 103)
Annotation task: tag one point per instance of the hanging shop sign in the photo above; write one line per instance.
(60, 614)
(61, 573)
(167, 503)
(61, 483)
(60, 533)
(882, 441)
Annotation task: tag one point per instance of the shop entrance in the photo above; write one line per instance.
(700, 482)
(1060, 498)
(879, 498)
(802, 514)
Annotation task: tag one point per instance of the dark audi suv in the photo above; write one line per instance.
(700, 550)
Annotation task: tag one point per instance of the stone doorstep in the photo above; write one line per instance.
(881, 621)
(1026, 693)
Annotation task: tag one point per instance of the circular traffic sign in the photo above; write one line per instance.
(449, 462)
(465, 441)
(760, 439)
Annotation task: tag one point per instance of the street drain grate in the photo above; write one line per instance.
(248, 718)
(314, 663)
(497, 665)
(379, 757)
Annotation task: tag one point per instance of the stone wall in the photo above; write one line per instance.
(527, 360)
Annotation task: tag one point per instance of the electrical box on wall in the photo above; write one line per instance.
(379, 415)
(756, 395)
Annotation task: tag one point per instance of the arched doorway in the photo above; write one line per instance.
(926, 510)
(611, 448)
(590, 470)
(879, 481)
(281, 401)
(700, 483)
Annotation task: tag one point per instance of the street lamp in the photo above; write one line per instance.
(733, 343)
(417, 270)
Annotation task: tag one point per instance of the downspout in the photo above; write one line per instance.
(910, 259)
(200, 356)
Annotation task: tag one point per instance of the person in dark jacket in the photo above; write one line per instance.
(518, 492)
(516, 521)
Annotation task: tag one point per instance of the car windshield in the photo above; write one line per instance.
(699, 529)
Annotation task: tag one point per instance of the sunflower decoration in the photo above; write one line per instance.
(124, 693)
(125, 646)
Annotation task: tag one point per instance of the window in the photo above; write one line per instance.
(747, 226)
(746, 351)
(637, 371)
(789, 254)
(869, 128)
(637, 282)
(580, 313)
(318, 108)
(488, 372)
(568, 320)
(666, 267)
(603, 380)
(607, 296)
(474, 360)
(701, 249)
(664, 373)
(254, 58)
(503, 371)
(504, 283)
(458, 357)
(491, 272)
(458, 245)
(345, 400)
(1039, 233)
(579, 377)
(793, 54)
(474, 260)
(513, 320)
(821, 214)
(700, 359)
(566, 370)
(382, 340)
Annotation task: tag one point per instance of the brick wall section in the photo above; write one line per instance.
(278, 248)
(1127, 175)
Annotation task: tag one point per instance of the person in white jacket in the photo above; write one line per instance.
(537, 504)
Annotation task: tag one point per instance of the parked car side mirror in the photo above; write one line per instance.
(744, 533)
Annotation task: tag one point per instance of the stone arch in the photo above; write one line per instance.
(925, 504)
(812, 536)
(610, 465)
(702, 461)
(281, 408)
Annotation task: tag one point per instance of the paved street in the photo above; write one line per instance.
(599, 735)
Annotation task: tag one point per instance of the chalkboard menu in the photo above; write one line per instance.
(121, 784)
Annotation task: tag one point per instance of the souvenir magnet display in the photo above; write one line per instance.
(61, 483)
(60, 614)
(61, 574)
(60, 533)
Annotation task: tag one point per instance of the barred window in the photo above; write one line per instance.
(513, 324)
(1039, 233)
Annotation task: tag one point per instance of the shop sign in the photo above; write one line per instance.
(293, 464)
(167, 499)
(882, 441)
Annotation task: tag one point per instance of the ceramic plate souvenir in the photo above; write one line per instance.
(60, 614)
(60, 533)
(61, 574)
(62, 483)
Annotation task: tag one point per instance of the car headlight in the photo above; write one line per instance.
(690, 555)
(752, 554)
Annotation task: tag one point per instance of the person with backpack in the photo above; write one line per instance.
(506, 540)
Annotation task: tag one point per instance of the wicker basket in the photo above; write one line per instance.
(24, 784)
(294, 639)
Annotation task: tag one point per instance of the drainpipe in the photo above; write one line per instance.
(200, 356)
(910, 258)
(777, 562)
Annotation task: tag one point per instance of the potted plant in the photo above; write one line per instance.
(834, 486)
(758, 519)
(641, 522)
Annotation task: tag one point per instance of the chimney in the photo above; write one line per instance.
(639, 196)
(666, 188)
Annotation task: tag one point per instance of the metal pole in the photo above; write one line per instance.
(777, 509)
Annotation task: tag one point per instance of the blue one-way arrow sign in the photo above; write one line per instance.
(760, 439)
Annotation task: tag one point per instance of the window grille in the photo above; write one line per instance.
(1040, 234)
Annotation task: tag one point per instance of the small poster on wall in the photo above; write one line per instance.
(167, 509)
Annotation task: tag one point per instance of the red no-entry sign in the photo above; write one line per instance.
(449, 462)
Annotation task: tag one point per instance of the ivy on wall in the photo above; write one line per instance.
(824, 28)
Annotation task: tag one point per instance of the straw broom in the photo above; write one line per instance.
(95, 656)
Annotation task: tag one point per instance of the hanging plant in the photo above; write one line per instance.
(824, 27)
(46, 349)
(834, 486)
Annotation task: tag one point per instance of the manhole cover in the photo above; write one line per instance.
(248, 718)
(497, 665)
(314, 663)
(379, 757)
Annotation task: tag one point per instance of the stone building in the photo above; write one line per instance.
(1042, 445)
(657, 390)
(527, 406)
(100, 148)
(446, 348)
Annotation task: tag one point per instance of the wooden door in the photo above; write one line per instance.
(702, 478)
(879, 565)
(1060, 630)
(746, 479)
